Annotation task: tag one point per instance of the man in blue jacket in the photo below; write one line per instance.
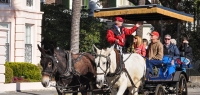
(170, 49)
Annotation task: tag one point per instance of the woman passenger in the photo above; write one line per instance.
(138, 46)
(186, 51)
(145, 42)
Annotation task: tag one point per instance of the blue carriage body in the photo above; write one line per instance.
(166, 71)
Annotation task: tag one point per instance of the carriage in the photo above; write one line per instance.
(170, 79)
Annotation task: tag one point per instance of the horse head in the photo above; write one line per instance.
(104, 63)
(54, 63)
(48, 62)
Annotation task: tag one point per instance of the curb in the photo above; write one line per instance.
(25, 86)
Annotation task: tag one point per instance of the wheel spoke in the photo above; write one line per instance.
(181, 86)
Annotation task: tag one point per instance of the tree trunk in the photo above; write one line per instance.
(139, 31)
(75, 26)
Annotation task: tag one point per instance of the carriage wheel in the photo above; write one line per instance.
(159, 90)
(181, 86)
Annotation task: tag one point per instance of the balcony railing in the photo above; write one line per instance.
(28, 53)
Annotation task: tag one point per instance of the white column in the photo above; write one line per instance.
(70, 4)
(3, 36)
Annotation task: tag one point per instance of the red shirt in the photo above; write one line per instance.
(140, 50)
(113, 34)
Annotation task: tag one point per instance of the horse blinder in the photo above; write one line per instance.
(54, 62)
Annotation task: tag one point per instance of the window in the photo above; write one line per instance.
(82, 2)
(28, 34)
(28, 43)
(4, 2)
(7, 44)
(29, 3)
(124, 3)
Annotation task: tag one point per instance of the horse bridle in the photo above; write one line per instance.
(107, 63)
(54, 61)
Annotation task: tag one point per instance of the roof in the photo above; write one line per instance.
(143, 13)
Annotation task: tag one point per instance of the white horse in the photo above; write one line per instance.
(106, 63)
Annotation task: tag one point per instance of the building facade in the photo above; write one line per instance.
(23, 19)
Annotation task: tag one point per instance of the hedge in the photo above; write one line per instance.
(25, 69)
(8, 75)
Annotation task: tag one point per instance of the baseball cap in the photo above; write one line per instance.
(155, 33)
(119, 19)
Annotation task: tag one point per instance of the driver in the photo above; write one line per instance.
(116, 34)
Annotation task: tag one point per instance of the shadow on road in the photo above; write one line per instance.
(27, 93)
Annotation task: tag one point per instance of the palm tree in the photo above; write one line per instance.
(139, 31)
(75, 26)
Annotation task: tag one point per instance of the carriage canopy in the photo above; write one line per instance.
(143, 13)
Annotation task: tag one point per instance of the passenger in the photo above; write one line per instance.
(170, 49)
(173, 41)
(138, 46)
(131, 47)
(186, 51)
(116, 34)
(145, 43)
(155, 51)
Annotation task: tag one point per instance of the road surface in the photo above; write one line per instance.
(195, 91)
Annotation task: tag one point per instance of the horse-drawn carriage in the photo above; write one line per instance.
(104, 72)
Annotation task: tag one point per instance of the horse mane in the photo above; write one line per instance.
(61, 53)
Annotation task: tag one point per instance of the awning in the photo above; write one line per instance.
(143, 13)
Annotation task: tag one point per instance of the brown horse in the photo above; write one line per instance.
(55, 63)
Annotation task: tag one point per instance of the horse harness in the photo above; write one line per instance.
(118, 71)
(71, 61)
(73, 72)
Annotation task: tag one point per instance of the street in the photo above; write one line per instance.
(195, 91)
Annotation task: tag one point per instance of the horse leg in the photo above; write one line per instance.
(113, 91)
(131, 90)
(135, 91)
(122, 88)
(75, 93)
(75, 89)
(59, 92)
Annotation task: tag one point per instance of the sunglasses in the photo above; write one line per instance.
(167, 39)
